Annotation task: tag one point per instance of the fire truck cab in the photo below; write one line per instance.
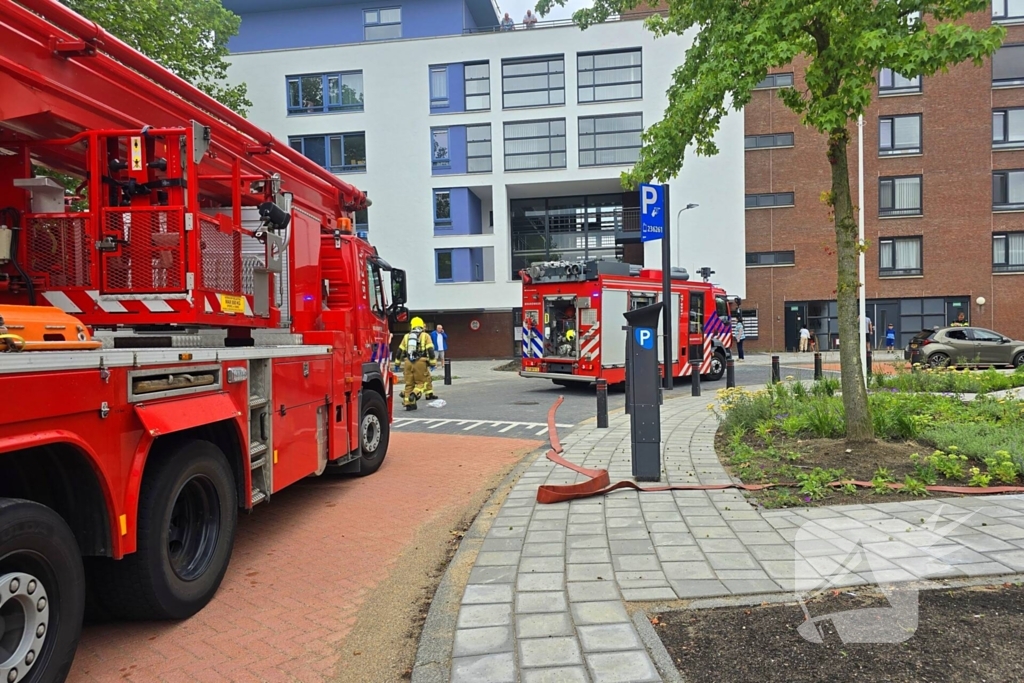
(573, 320)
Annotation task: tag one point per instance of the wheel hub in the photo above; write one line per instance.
(24, 619)
(193, 529)
(371, 435)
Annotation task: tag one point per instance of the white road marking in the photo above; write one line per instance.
(472, 426)
(511, 425)
(542, 432)
(505, 425)
(442, 422)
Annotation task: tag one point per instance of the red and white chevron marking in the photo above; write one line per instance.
(79, 301)
(590, 343)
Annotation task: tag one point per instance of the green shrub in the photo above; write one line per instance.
(914, 487)
(1001, 466)
(815, 483)
(825, 419)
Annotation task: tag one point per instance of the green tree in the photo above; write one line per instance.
(188, 37)
(843, 44)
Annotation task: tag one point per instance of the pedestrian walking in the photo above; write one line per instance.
(805, 339)
(739, 335)
(890, 337)
(440, 339)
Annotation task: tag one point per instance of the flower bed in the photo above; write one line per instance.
(947, 380)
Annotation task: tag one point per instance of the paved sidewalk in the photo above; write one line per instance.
(545, 598)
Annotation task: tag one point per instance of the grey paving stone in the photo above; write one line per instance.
(590, 572)
(482, 641)
(562, 674)
(751, 586)
(498, 668)
(551, 514)
(609, 638)
(983, 569)
(891, 549)
(660, 540)
(478, 616)
(741, 574)
(956, 554)
(540, 525)
(559, 651)
(493, 574)
(732, 561)
(622, 667)
(542, 581)
(586, 529)
(633, 534)
(501, 544)
(592, 591)
(1013, 559)
(503, 531)
(626, 522)
(772, 552)
(541, 564)
(543, 625)
(644, 547)
(720, 545)
(631, 563)
(543, 550)
(497, 559)
(750, 525)
(604, 612)
(576, 542)
(692, 571)
(545, 537)
(751, 538)
(680, 553)
(983, 543)
(778, 569)
(712, 532)
(541, 601)
(588, 556)
(648, 594)
(479, 594)
(1004, 532)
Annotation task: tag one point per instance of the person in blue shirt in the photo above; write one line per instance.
(440, 339)
(890, 337)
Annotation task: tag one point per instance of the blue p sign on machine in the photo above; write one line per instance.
(644, 337)
(652, 212)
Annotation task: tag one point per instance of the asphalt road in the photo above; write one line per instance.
(493, 403)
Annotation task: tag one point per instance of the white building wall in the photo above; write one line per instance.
(397, 122)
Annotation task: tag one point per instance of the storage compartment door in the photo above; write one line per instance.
(676, 343)
(613, 337)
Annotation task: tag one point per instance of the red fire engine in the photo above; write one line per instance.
(572, 320)
(245, 334)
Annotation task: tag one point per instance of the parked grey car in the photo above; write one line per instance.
(964, 346)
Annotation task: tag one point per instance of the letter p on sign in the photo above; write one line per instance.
(644, 336)
(648, 197)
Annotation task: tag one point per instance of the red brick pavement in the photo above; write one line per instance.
(302, 566)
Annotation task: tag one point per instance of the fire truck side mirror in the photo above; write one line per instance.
(399, 293)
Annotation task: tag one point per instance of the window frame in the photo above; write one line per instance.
(893, 150)
(890, 90)
(533, 60)
(436, 161)
(775, 197)
(490, 144)
(465, 86)
(595, 149)
(593, 86)
(437, 265)
(325, 107)
(379, 23)
(893, 271)
(1006, 266)
(1005, 143)
(1007, 82)
(901, 213)
(771, 81)
(564, 151)
(757, 262)
(327, 138)
(444, 223)
(1007, 205)
(775, 143)
(436, 101)
(1005, 17)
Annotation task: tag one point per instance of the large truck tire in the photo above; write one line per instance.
(374, 432)
(42, 594)
(188, 513)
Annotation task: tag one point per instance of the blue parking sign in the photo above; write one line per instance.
(644, 337)
(652, 212)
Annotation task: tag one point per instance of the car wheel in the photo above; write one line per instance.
(1018, 360)
(938, 360)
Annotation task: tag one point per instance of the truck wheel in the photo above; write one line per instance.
(188, 509)
(374, 433)
(717, 368)
(42, 593)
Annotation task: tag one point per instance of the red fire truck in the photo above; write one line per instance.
(244, 334)
(572, 320)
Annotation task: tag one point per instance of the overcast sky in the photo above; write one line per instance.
(517, 8)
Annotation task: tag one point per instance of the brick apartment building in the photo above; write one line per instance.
(943, 199)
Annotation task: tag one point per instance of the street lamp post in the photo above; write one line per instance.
(678, 214)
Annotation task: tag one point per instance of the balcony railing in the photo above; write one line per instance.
(553, 23)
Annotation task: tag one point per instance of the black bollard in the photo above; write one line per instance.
(818, 373)
(447, 371)
(776, 373)
(869, 362)
(602, 403)
(730, 373)
(695, 378)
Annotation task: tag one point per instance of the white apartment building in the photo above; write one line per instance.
(485, 150)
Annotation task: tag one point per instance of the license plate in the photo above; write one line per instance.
(532, 369)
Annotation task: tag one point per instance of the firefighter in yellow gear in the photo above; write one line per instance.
(416, 353)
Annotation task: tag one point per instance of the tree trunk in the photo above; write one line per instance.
(859, 427)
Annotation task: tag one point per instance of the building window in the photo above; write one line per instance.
(607, 76)
(444, 265)
(535, 145)
(533, 82)
(443, 208)
(1008, 190)
(1008, 252)
(344, 92)
(382, 24)
(899, 135)
(892, 83)
(771, 258)
(478, 86)
(768, 141)
(438, 87)
(337, 153)
(899, 196)
(769, 199)
(1008, 128)
(441, 155)
(362, 222)
(1007, 10)
(575, 228)
(1008, 65)
(899, 256)
(478, 148)
(775, 81)
(610, 140)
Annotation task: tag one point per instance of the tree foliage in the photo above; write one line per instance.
(187, 37)
(843, 44)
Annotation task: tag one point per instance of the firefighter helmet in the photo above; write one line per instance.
(417, 322)
(570, 335)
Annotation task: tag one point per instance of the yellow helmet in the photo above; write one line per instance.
(417, 322)
(570, 335)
